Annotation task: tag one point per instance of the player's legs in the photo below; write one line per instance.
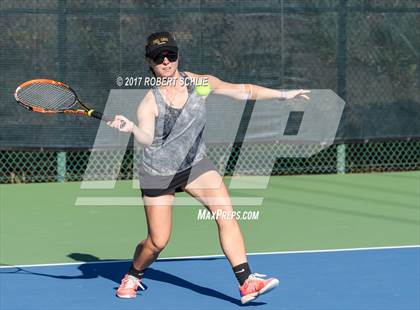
(159, 223)
(210, 190)
(158, 212)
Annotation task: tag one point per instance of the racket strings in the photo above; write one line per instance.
(47, 96)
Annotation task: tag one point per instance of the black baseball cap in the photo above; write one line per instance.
(160, 41)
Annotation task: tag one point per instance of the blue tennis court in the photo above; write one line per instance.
(354, 279)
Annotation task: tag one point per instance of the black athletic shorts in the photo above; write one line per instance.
(157, 185)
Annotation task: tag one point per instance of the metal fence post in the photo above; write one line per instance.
(61, 166)
(61, 39)
(341, 158)
(61, 73)
(342, 72)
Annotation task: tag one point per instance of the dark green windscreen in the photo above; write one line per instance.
(366, 51)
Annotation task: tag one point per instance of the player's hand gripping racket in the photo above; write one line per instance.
(49, 96)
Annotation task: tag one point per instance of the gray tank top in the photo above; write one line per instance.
(178, 142)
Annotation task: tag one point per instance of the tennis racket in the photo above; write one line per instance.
(49, 96)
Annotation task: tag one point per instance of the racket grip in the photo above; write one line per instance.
(100, 116)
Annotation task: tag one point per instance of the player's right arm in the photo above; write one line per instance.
(144, 132)
(146, 114)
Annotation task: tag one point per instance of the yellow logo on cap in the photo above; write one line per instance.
(160, 41)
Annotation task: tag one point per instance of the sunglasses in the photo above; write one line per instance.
(159, 58)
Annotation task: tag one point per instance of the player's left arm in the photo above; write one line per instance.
(248, 91)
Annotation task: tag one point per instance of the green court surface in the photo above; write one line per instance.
(40, 223)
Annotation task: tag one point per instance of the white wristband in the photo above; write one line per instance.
(283, 95)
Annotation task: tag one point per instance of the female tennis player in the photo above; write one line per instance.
(171, 122)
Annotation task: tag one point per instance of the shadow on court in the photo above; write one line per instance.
(115, 269)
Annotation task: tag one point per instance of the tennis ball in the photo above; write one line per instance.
(203, 90)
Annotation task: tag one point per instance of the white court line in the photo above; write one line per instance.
(221, 255)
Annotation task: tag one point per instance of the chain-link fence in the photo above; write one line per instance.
(52, 166)
(367, 52)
